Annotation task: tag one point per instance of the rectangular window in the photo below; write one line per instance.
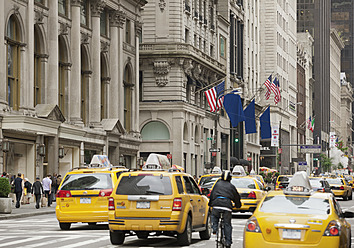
(62, 7)
(83, 13)
(186, 36)
(222, 46)
(127, 31)
(103, 23)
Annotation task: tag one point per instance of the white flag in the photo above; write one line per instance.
(275, 136)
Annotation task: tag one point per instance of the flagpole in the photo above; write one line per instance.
(212, 85)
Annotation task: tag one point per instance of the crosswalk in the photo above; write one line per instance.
(44, 231)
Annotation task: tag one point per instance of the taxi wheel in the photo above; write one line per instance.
(206, 234)
(92, 223)
(64, 226)
(117, 238)
(345, 198)
(351, 196)
(185, 238)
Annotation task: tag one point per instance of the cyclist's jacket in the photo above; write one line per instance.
(223, 193)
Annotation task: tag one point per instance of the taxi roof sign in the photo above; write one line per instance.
(100, 161)
(238, 170)
(157, 162)
(299, 184)
(216, 170)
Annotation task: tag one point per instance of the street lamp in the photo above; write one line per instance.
(5, 145)
(61, 152)
(121, 159)
(41, 150)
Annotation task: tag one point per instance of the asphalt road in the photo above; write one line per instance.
(44, 231)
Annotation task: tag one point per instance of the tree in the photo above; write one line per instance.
(340, 165)
(326, 162)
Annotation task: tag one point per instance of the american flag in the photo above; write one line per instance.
(267, 84)
(212, 96)
(275, 88)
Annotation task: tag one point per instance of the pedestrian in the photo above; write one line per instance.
(4, 174)
(27, 191)
(47, 184)
(59, 180)
(54, 186)
(18, 189)
(38, 191)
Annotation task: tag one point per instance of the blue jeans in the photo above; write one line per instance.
(215, 216)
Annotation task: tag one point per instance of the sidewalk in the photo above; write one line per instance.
(28, 210)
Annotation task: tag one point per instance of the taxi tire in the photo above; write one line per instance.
(206, 234)
(345, 198)
(142, 235)
(117, 238)
(185, 238)
(351, 196)
(64, 226)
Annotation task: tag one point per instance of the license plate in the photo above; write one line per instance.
(143, 204)
(291, 234)
(297, 188)
(85, 200)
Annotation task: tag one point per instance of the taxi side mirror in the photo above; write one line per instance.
(348, 214)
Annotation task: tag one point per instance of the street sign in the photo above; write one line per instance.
(214, 149)
(209, 138)
(213, 154)
(310, 149)
(169, 156)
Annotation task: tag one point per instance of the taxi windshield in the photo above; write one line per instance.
(349, 178)
(90, 181)
(334, 181)
(144, 185)
(295, 205)
(246, 183)
(316, 182)
(284, 178)
(208, 181)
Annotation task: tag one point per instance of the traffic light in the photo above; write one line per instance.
(236, 140)
(315, 159)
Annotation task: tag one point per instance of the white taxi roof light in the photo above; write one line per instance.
(299, 184)
(252, 172)
(216, 170)
(100, 161)
(238, 170)
(156, 162)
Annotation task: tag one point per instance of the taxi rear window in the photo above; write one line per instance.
(316, 182)
(208, 181)
(144, 185)
(246, 183)
(90, 181)
(284, 179)
(334, 181)
(295, 205)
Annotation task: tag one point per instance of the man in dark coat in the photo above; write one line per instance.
(221, 198)
(37, 190)
(18, 189)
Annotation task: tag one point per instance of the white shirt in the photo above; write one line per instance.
(47, 184)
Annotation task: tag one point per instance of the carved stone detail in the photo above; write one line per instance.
(76, 3)
(162, 5)
(161, 70)
(138, 28)
(64, 29)
(97, 7)
(117, 18)
(104, 46)
(39, 16)
(85, 38)
(16, 9)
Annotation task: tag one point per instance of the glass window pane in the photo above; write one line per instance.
(243, 183)
(83, 13)
(144, 185)
(103, 23)
(62, 7)
(87, 181)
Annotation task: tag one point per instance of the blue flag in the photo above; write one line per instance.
(250, 123)
(266, 132)
(233, 107)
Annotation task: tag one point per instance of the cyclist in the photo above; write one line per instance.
(220, 200)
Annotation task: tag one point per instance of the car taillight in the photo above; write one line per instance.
(177, 204)
(252, 225)
(111, 203)
(333, 229)
(105, 192)
(252, 195)
(63, 193)
(341, 188)
(321, 190)
(281, 186)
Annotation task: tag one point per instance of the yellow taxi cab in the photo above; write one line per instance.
(83, 194)
(155, 201)
(350, 180)
(282, 182)
(206, 182)
(260, 178)
(251, 192)
(340, 188)
(298, 217)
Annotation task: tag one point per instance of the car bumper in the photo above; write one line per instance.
(256, 240)
(339, 193)
(247, 205)
(81, 216)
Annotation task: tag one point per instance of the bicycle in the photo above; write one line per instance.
(220, 234)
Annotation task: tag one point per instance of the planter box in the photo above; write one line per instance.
(5, 205)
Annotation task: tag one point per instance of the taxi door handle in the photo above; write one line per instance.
(199, 200)
(191, 199)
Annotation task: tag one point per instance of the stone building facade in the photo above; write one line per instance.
(69, 87)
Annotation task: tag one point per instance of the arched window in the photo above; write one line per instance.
(185, 132)
(127, 98)
(37, 97)
(196, 135)
(84, 83)
(13, 62)
(155, 130)
(61, 75)
(104, 80)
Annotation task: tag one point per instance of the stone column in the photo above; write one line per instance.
(138, 28)
(116, 23)
(28, 86)
(82, 154)
(75, 82)
(121, 69)
(3, 71)
(97, 7)
(51, 94)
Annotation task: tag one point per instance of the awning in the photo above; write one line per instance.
(234, 160)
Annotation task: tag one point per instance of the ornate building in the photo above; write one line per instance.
(69, 87)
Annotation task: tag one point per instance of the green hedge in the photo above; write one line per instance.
(5, 187)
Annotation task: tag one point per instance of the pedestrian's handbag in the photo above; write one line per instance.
(44, 201)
